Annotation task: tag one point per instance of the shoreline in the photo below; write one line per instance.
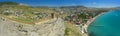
(89, 22)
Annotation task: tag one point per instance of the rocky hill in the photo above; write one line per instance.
(14, 21)
(54, 27)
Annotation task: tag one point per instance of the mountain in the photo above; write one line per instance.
(8, 3)
(79, 6)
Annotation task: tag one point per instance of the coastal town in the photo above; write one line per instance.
(47, 21)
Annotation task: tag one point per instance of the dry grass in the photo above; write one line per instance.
(28, 11)
(72, 30)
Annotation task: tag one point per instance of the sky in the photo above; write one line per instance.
(57, 3)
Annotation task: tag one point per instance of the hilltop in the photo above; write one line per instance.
(23, 13)
(22, 20)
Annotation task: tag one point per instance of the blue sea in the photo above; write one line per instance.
(107, 24)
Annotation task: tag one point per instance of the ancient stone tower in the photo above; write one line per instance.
(52, 15)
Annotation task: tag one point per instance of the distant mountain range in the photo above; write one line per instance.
(8, 3)
(80, 6)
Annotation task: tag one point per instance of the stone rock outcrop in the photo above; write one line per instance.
(54, 27)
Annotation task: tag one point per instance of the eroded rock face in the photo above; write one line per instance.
(54, 27)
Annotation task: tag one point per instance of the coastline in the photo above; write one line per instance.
(89, 22)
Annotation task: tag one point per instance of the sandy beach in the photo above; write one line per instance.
(89, 22)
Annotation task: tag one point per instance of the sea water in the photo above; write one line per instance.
(107, 24)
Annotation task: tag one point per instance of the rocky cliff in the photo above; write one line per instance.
(54, 27)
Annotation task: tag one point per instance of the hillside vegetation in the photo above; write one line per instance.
(25, 14)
